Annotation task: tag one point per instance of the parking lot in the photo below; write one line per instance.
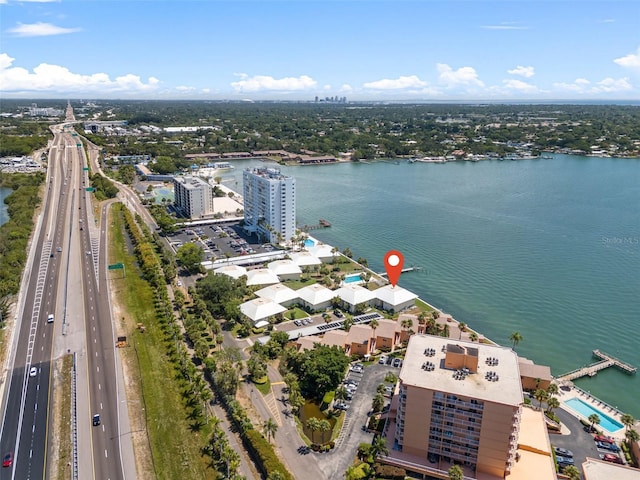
(221, 240)
(579, 442)
(358, 409)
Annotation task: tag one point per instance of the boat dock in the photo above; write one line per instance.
(604, 361)
(404, 270)
(322, 223)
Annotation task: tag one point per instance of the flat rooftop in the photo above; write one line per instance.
(497, 379)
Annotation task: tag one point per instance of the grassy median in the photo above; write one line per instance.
(165, 446)
(62, 418)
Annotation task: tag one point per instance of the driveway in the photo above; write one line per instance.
(578, 441)
(335, 463)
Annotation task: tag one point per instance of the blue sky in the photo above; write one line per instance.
(294, 50)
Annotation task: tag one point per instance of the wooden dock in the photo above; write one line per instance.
(404, 270)
(604, 361)
(322, 223)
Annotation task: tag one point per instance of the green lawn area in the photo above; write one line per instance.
(298, 312)
(422, 306)
(298, 284)
(176, 448)
(264, 387)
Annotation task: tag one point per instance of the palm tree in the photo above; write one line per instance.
(594, 419)
(374, 324)
(572, 472)
(552, 404)
(541, 396)
(341, 393)
(379, 447)
(516, 338)
(627, 420)
(552, 389)
(632, 436)
(473, 336)
(348, 323)
(455, 472)
(269, 429)
(462, 327)
(313, 424)
(377, 403)
(324, 426)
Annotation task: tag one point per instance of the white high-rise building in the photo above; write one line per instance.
(269, 204)
(193, 196)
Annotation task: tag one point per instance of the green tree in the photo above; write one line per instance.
(627, 420)
(552, 389)
(552, 404)
(594, 419)
(313, 424)
(377, 403)
(572, 472)
(127, 174)
(540, 395)
(632, 436)
(516, 338)
(269, 429)
(473, 336)
(379, 446)
(455, 472)
(324, 426)
(190, 255)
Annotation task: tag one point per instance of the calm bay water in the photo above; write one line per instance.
(549, 248)
(4, 193)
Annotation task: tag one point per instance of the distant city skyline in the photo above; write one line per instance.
(379, 50)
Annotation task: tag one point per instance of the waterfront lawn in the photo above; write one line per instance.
(154, 380)
(423, 306)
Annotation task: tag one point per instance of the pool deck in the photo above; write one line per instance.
(596, 403)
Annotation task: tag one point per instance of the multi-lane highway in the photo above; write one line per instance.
(68, 248)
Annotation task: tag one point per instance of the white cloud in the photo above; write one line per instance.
(519, 85)
(614, 85)
(54, 78)
(522, 71)
(400, 83)
(40, 29)
(462, 76)
(607, 85)
(326, 88)
(260, 83)
(346, 88)
(505, 26)
(631, 61)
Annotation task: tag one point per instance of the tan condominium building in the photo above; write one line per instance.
(458, 402)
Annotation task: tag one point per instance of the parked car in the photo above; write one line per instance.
(338, 313)
(397, 362)
(563, 461)
(608, 446)
(298, 323)
(383, 359)
(610, 457)
(563, 452)
(602, 438)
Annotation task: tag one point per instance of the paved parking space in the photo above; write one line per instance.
(335, 463)
(577, 440)
(219, 240)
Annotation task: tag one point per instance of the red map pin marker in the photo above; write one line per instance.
(393, 261)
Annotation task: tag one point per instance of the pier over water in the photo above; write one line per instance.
(604, 361)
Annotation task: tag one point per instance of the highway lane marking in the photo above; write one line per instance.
(106, 455)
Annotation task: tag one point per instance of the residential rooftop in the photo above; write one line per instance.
(480, 371)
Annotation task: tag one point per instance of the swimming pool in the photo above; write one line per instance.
(352, 278)
(584, 409)
(309, 243)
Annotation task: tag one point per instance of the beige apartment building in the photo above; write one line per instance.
(457, 402)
